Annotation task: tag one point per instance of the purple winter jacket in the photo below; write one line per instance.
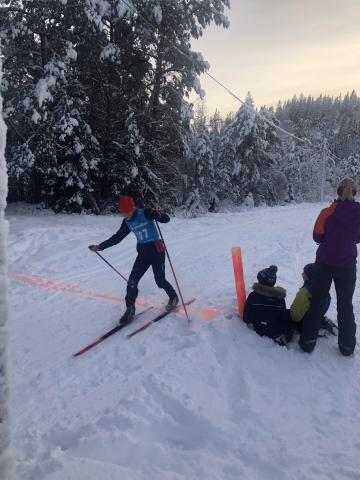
(337, 231)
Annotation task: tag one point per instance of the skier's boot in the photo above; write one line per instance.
(172, 303)
(128, 315)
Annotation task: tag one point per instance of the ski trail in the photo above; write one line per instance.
(206, 400)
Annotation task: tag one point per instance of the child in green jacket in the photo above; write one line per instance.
(301, 303)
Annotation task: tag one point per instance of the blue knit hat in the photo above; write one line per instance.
(309, 271)
(268, 276)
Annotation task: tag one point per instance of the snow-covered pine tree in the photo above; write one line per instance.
(273, 185)
(348, 126)
(173, 74)
(24, 52)
(70, 174)
(56, 97)
(215, 129)
(249, 145)
(295, 156)
(145, 71)
(347, 167)
(224, 164)
(336, 119)
(52, 153)
(200, 191)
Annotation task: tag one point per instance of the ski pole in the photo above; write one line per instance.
(173, 271)
(122, 276)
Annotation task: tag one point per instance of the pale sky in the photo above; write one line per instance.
(278, 48)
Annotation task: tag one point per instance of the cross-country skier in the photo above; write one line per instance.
(150, 248)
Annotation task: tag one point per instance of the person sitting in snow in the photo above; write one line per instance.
(302, 301)
(150, 248)
(265, 308)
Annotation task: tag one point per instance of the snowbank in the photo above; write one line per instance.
(208, 400)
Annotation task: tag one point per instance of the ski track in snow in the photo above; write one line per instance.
(205, 400)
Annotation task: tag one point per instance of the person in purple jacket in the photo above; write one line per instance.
(336, 231)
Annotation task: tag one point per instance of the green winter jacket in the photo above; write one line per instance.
(300, 305)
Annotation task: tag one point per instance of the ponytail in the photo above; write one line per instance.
(347, 190)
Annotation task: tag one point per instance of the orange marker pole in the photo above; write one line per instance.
(239, 279)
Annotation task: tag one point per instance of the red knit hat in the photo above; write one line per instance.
(126, 205)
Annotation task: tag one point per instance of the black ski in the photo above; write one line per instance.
(159, 317)
(108, 334)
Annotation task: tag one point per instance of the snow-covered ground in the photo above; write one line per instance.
(208, 400)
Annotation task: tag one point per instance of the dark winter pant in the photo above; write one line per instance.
(344, 279)
(142, 263)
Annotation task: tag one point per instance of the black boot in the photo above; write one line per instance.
(284, 339)
(128, 315)
(328, 326)
(172, 303)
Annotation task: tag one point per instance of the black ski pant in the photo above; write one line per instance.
(149, 257)
(344, 280)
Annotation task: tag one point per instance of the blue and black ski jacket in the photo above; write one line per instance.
(142, 224)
